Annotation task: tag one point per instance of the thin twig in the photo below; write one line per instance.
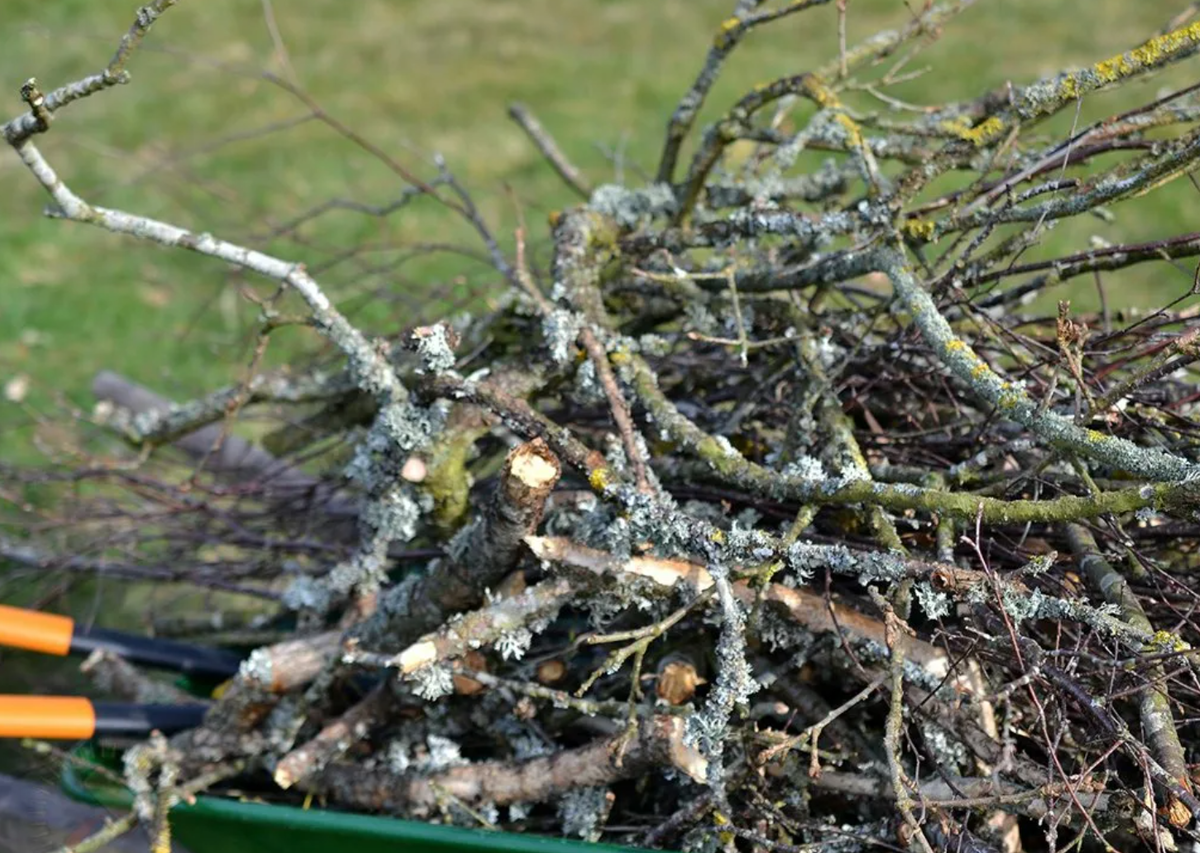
(549, 148)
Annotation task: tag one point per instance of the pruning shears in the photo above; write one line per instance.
(79, 718)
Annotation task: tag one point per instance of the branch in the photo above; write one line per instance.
(1011, 399)
(806, 609)
(334, 739)
(584, 244)
(115, 676)
(191, 428)
(658, 744)
(492, 546)
(476, 629)
(550, 150)
(730, 466)
(1154, 705)
(370, 368)
(43, 107)
(729, 34)
(1049, 801)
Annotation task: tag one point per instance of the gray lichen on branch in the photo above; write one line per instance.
(775, 397)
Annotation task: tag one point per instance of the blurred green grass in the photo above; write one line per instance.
(415, 78)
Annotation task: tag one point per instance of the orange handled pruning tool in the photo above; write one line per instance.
(77, 718)
(60, 635)
(74, 717)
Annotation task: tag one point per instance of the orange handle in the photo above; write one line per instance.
(36, 631)
(48, 717)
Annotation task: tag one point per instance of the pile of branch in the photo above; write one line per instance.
(768, 515)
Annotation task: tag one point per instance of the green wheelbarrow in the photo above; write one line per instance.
(221, 825)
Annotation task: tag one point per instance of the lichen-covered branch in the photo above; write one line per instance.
(1154, 707)
(333, 739)
(505, 622)
(157, 421)
(731, 466)
(489, 549)
(808, 610)
(729, 35)
(369, 366)
(658, 744)
(43, 107)
(1012, 400)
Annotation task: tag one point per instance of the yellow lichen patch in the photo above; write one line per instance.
(985, 132)
(979, 371)
(447, 481)
(718, 536)
(956, 127)
(851, 127)
(724, 836)
(1068, 89)
(1095, 435)
(1010, 397)
(1166, 45)
(726, 33)
(820, 93)
(1167, 641)
(955, 345)
(599, 479)
(1149, 55)
(920, 229)
(1113, 69)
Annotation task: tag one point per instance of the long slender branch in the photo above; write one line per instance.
(36, 120)
(1154, 706)
(545, 143)
(658, 744)
(1035, 802)
(731, 466)
(369, 367)
(805, 608)
(1011, 399)
(728, 36)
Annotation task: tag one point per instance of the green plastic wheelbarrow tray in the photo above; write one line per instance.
(223, 825)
